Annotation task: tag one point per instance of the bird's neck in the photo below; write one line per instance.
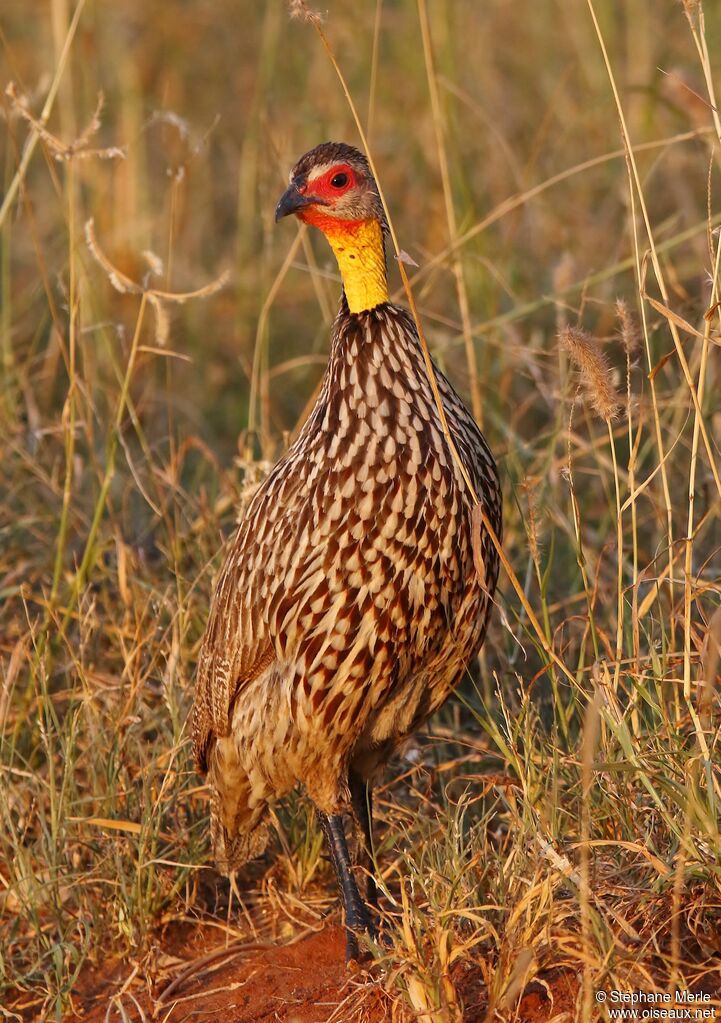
(359, 249)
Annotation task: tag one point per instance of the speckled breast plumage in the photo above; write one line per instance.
(349, 605)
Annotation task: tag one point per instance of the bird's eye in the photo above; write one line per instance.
(339, 180)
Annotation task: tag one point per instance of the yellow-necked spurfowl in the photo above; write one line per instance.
(349, 604)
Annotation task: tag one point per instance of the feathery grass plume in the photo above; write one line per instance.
(594, 371)
(79, 147)
(300, 9)
(629, 332)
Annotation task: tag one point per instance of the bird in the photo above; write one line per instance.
(355, 592)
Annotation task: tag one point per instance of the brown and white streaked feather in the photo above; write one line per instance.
(348, 606)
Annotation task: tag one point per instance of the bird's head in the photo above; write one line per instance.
(332, 188)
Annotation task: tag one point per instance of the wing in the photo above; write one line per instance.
(238, 644)
(235, 650)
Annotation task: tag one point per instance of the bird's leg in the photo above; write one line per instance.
(356, 914)
(361, 796)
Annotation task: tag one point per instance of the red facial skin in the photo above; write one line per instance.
(323, 188)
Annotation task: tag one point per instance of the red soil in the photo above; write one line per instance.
(299, 983)
(306, 982)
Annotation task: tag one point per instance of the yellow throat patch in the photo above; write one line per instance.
(358, 247)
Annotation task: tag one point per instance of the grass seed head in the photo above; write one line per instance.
(594, 371)
(629, 331)
(300, 9)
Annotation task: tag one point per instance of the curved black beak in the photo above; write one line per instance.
(293, 200)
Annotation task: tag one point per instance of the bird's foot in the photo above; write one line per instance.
(357, 924)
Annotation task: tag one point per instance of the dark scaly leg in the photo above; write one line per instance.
(361, 795)
(356, 914)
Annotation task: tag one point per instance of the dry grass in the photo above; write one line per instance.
(564, 811)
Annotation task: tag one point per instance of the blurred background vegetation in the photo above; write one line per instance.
(124, 421)
(213, 105)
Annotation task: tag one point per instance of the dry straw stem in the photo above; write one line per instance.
(594, 371)
(698, 33)
(699, 36)
(631, 341)
(591, 729)
(660, 443)
(688, 559)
